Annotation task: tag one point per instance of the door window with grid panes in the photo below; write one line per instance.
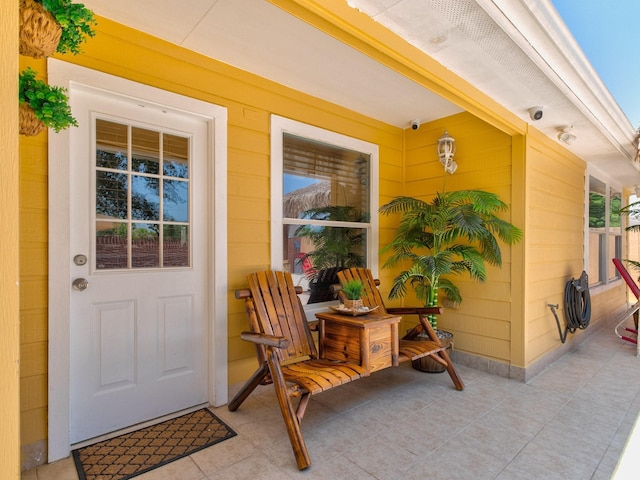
(142, 197)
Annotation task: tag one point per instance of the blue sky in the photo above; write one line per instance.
(609, 34)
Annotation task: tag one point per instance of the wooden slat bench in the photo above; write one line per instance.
(287, 353)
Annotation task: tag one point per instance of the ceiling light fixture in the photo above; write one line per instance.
(439, 39)
(565, 137)
(446, 151)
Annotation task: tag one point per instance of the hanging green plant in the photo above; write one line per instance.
(76, 20)
(47, 26)
(49, 103)
(39, 30)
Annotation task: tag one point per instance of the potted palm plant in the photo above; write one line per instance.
(453, 233)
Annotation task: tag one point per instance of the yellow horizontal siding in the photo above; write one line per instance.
(34, 226)
(33, 326)
(33, 293)
(33, 425)
(34, 256)
(492, 348)
(33, 359)
(33, 392)
(554, 239)
(9, 241)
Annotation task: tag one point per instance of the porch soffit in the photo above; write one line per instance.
(516, 53)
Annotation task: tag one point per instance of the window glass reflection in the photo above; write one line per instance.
(111, 145)
(111, 194)
(315, 254)
(175, 246)
(111, 245)
(176, 156)
(176, 201)
(327, 185)
(145, 151)
(145, 245)
(145, 198)
(319, 175)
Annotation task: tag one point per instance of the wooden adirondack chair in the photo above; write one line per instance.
(280, 332)
(410, 348)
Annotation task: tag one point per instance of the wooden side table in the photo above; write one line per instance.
(369, 340)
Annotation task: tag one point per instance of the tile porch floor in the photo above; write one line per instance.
(569, 422)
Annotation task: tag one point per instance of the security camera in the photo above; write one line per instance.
(535, 113)
(415, 124)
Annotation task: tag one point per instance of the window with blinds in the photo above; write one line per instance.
(325, 211)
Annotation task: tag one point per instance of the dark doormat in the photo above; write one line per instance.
(138, 452)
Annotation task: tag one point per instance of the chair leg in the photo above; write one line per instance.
(289, 414)
(256, 379)
(453, 373)
(457, 381)
(302, 406)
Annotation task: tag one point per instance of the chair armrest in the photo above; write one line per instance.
(416, 310)
(424, 326)
(264, 339)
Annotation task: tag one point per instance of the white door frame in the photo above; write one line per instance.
(69, 76)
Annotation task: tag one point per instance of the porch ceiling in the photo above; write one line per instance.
(518, 52)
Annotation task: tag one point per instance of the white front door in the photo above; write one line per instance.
(139, 275)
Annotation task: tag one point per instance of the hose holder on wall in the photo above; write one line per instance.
(577, 306)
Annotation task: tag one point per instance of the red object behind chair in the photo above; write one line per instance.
(627, 277)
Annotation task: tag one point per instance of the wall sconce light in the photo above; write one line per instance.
(446, 151)
(565, 137)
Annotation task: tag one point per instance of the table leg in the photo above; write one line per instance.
(364, 350)
(321, 334)
(395, 345)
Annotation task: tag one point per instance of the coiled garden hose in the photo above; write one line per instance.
(577, 306)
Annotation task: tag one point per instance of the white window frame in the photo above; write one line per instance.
(609, 184)
(282, 125)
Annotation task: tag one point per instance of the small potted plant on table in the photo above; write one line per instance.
(353, 294)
